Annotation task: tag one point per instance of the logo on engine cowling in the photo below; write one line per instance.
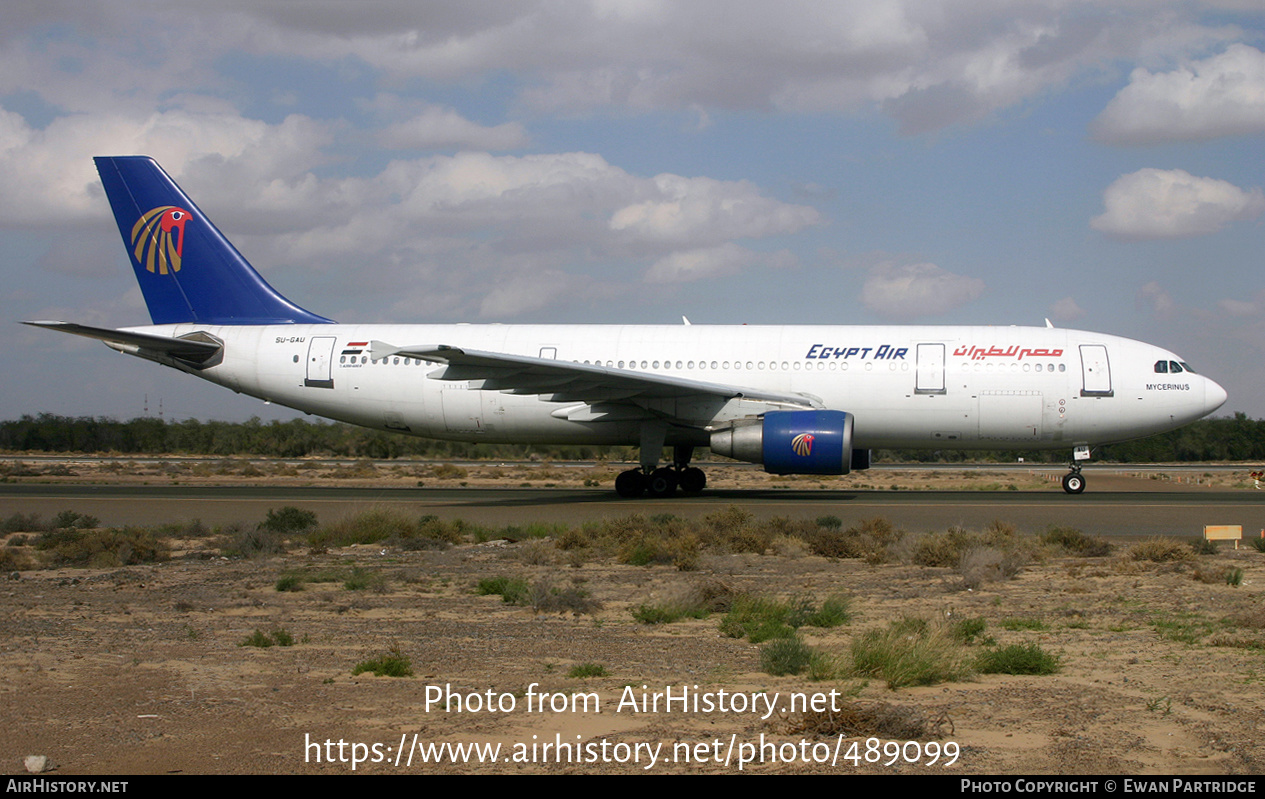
(803, 444)
(158, 238)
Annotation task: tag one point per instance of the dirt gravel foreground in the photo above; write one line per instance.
(141, 669)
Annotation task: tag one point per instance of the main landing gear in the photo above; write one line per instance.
(660, 481)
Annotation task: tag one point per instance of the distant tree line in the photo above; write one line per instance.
(1236, 438)
(293, 439)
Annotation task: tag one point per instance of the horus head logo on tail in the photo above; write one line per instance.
(802, 444)
(158, 238)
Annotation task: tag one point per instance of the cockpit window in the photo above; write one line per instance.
(1186, 366)
(1161, 367)
(1174, 367)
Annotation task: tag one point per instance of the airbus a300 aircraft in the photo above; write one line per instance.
(795, 399)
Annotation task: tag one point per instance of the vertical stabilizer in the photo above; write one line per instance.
(187, 270)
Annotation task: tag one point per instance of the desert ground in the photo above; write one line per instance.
(109, 668)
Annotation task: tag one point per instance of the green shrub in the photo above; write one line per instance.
(290, 582)
(69, 518)
(1023, 623)
(585, 670)
(1017, 659)
(289, 520)
(103, 548)
(393, 664)
(760, 619)
(512, 590)
(371, 527)
(361, 579)
(258, 638)
(278, 637)
(967, 630)
(667, 613)
(908, 653)
(23, 523)
(782, 656)
(1203, 546)
(834, 612)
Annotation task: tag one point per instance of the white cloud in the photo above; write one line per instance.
(47, 176)
(438, 128)
(1066, 310)
(1248, 305)
(690, 265)
(910, 291)
(1153, 297)
(1220, 96)
(525, 293)
(701, 209)
(1158, 203)
(928, 64)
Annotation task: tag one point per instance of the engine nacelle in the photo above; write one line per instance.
(792, 442)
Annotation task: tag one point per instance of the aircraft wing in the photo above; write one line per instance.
(567, 381)
(196, 350)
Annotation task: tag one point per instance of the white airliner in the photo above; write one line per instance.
(795, 399)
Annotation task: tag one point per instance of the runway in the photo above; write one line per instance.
(1177, 512)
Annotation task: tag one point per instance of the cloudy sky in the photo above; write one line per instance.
(1098, 163)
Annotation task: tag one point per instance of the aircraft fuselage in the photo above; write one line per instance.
(908, 387)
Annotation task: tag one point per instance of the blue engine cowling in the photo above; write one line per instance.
(794, 442)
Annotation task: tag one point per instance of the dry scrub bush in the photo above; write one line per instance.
(872, 720)
(1161, 550)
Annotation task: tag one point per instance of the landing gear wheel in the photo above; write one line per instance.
(630, 484)
(1073, 483)
(692, 480)
(662, 483)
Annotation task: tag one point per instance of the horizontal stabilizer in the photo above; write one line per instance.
(195, 350)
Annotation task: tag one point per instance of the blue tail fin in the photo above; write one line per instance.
(187, 270)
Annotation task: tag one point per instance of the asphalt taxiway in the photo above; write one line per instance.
(1176, 512)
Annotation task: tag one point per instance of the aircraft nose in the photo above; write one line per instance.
(1214, 396)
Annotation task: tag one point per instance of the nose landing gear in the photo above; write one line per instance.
(1073, 481)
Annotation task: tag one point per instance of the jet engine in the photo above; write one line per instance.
(794, 442)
